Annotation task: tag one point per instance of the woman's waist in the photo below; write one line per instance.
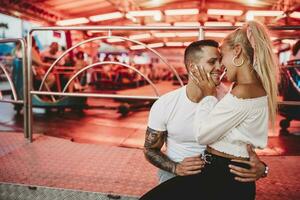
(215, 152)
(220, 160)
(233, 147)
(216, 162)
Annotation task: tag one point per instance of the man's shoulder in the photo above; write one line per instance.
(171, 96)
(167, 99)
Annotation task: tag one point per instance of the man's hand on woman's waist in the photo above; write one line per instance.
(152, 149)
(257, 170)
(189, 166)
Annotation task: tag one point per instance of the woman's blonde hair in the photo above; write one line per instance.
(257, 48)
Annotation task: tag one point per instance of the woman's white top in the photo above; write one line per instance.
(232, 123)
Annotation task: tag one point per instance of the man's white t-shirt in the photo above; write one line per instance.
(174, 112)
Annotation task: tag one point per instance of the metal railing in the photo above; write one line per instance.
(109, 35)
(109, 29)
(106, 37)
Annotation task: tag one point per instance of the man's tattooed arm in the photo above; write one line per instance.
(152, 150)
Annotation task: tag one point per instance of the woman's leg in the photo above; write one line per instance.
(179, 187)
(215, 182)
(184, 187)
(240, 190)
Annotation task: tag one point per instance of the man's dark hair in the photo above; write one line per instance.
(191, 52)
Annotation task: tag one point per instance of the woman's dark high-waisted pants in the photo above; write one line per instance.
(215, 182)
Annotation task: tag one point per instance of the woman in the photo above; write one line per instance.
(227, 126)
(79, 64)
(40, 67)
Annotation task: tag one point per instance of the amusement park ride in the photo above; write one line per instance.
(290, 91)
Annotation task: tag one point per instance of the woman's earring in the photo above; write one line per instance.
(235, 64)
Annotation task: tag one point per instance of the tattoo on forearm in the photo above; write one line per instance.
(152, 150)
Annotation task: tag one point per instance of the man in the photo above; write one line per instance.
(52, 53)
(171, 122)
